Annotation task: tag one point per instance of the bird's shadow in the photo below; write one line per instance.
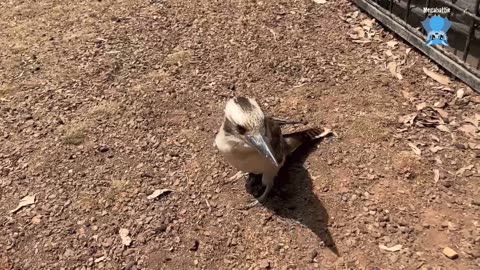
(293, 196)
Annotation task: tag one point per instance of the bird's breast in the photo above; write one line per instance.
(243, 157)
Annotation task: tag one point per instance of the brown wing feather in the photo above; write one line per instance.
(276, 139)
(295, 139)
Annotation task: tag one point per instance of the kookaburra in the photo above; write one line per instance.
(253, 143)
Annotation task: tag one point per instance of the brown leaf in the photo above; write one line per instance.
(435, 149)
(25, 201)
(469, 130)
(421, 106)
(437, 77)
(158, 192)
(473, 121)
(462, 170)
(440, 104)
(388, 53)
(393, 68)
(438, 160)
(392, 43)
(460, 93)
(442, 113)
(407, 119)
(475, 99)
(415, 149)
(473, 146)
(126, 240)
(368, 23)
(408, 95)
(443, 128)
(435, 138)
(391, 249)
(436, 175)
(37, 219)
(407, 51)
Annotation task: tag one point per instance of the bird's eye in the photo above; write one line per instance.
(433, 36)
(440, 37)
(241, 130)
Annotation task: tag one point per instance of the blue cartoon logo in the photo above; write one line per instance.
(436, 28)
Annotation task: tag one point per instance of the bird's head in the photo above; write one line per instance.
(244, 119)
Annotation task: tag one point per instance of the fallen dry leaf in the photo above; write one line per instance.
(473, 146)
(475, 99)
(440, 104)
(473, 121)
(25, 201)
(101, 259)
(468, 129)
(415, 149)
(392, 43)
(158, 192)
(462, 170)
(435, 149)
(435, 138)
(37, 219)
(460, 93)
(436, 175)
(421, 106)
(388, 53)
(442, 113)
(409, 96)
(437, 77)
(368, 22)
(320, 1)
(126, 240)
(393, 68)
(407, 119)
(443, 128)
(391, 249)
(407, 51)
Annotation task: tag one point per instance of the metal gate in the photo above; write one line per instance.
(404, 17)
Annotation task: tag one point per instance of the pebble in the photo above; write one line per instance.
(195, 246)
(103, 148)
(264, 264)
(313, 254)
(450, 253)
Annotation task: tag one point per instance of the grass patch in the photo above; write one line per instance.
(75, 136)
(104, 109)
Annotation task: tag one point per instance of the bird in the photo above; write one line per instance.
(252, 142)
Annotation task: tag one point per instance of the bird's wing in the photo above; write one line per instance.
(276, 140)
(295, 139)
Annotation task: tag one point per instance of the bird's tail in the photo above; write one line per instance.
(296, 139)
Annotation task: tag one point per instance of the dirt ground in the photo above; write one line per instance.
(103, 102)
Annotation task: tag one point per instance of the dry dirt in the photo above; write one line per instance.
(104, 102)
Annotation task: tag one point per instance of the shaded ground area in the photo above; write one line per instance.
(104, 102)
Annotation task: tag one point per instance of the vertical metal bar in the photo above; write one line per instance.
(470, 33)
(407, 12)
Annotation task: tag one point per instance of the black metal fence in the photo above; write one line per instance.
(404, 17)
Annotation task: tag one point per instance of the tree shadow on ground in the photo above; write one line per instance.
(293, 196)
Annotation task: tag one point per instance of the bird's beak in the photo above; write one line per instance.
(260, 143)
